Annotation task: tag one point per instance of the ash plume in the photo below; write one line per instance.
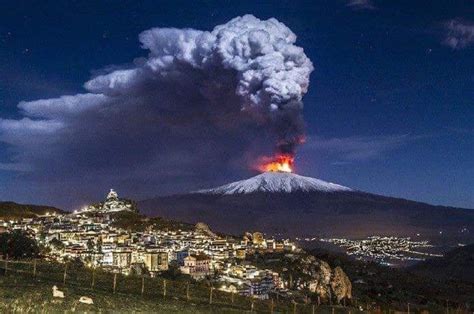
(265, 68)
(218, 94)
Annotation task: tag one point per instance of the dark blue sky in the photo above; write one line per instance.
(390, 107)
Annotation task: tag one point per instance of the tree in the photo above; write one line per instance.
(173, 272)
(90, 245)
(75, 263)
(18, 245)
(99, 244)
(58, 245)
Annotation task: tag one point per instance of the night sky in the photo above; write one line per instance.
(389, 109)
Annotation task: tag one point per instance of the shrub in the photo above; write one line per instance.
(18, 245)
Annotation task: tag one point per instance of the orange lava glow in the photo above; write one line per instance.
(281, 163)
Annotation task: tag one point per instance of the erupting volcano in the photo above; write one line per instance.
(281, 163)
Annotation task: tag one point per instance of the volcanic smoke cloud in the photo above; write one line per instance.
(199, 97)
(267, 71)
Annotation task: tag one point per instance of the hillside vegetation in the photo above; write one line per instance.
(12, 210)
(457, 264)
(135, 222)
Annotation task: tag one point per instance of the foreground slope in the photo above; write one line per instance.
(396, 287)
(20, 294)
(457, 264)
(290, 205)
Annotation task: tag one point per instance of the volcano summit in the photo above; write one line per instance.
(287, 204)
(276, 182)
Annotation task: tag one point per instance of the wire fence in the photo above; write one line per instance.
(157, 288)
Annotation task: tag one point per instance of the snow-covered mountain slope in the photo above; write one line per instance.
(276, 182)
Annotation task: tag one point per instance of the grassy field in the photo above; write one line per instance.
(21, 294)
(22, 290)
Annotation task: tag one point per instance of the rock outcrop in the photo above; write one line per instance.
(113, 203)
(204, 228)
(331, 284)
(340, 285)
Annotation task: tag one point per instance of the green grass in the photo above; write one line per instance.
(20, 291)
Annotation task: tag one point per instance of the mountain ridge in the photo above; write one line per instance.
(340, 213)
(12, 210)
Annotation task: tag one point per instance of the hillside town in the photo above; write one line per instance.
(91, 236)
(385, 250)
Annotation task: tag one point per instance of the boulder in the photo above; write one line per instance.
(341, 285)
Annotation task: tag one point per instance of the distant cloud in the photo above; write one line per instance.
(28, 132)
(341, 163)
(459, 33)
(461, 131)
(347, 150)
(360, 4)
(57, 108)
(14, 167)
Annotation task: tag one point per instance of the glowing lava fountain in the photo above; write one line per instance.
(281, 163)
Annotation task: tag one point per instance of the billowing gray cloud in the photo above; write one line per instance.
(62, 107)
(200, 103)
(459, 33)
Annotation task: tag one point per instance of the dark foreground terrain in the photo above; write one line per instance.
(456, 265)
(422, 286)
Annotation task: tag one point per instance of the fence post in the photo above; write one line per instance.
(93, 278)
(251, 306)
(232, 298)
(294, 307)
(65, 273)
(271, 307)
(143, 285)
(6, 265)
(187, 291)
(115, 281)
(34, 267)
(313, 309)
(210, 295)
(164, 288)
